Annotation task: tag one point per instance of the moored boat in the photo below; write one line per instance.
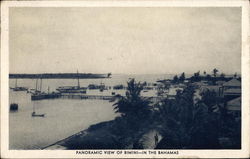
(20, 89)
(16, 88)
(13, 107)
(39, 95)
(34, 114)
(72, 89)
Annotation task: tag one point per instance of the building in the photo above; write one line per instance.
(173, 92)
(234, 107)
(220, 83)
(231, 90)
(211, 88)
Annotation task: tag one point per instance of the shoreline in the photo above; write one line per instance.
(62, 140)
(81, 133)
(100, 135)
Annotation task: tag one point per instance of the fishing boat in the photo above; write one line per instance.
(72, 89)
(16, 88)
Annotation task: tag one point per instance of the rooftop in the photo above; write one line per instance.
(233, 82)
(234, 104)
(233, 91)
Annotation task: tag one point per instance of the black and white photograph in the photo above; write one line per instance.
(131, 78)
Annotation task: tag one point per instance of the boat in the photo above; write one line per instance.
(34, 91)
(39, 95)
(102, 87)
(34, 114)
(13, 107)
(109, 75)
(19, 88)
(72, 89)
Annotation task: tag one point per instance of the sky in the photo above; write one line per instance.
(159, 40)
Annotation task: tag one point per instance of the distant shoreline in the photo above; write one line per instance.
(61, 75)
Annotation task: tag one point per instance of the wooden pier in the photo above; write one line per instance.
(85, 96)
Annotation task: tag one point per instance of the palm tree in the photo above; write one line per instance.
(204, 73)
(235, 75)
(132, 105)
(177, 117)
(182, 77)
(215, 72)
(188, 125)
(175, 79)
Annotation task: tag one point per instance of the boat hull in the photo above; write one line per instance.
(37, 115)
(72, 89)
(45, 96)
(20, 89)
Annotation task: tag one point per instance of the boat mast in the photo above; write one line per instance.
(16, 83)
(34, 107)
(41, 85)
(36, 84)
(78, 82)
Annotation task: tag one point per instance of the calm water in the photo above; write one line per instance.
(64, 117)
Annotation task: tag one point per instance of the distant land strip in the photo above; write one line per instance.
(61, 75)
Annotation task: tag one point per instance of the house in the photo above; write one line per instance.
(199, 84)
(231, 90)
(213, 88)
(233, 83)
(173, 92)
(220, 83)
(234, 107)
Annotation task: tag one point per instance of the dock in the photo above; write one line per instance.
(84, 96)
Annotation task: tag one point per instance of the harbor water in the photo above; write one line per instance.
(63, 117)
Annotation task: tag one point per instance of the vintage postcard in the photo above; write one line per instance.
(125, 79)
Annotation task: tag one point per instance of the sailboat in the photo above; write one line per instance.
(39, 95)
(102, 87)
(34, 114)
(72, 89)
(19, 88)
(34, 90)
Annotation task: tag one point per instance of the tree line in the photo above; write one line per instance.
(183, 122)
(197, 76)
